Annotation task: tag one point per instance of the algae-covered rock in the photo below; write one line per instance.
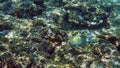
(114, 62)
(5, 26)
(59, 34)
(90, 17)
(26, 10)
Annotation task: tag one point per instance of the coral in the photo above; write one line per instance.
(59, 34)
(5, 25)
(52, 39)
(90, 17)
(7, 60)
(26, 10)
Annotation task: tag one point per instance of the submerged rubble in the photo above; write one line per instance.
(59, 34)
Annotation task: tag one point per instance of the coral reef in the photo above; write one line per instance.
(59, 34)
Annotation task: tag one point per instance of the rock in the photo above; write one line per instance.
(26, 10)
